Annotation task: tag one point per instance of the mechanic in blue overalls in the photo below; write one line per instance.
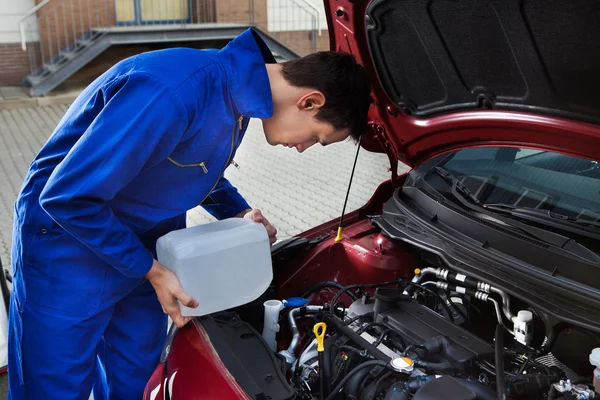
(144, 143)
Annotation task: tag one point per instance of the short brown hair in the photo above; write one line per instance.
(343, 82)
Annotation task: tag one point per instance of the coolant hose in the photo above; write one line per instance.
(440, 367)
(357, 369)
(354, 384)
(499, 355)
(552, 336)
(396, 393)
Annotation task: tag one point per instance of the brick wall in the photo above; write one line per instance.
(63, 22)
(204, 11)
(14, 63)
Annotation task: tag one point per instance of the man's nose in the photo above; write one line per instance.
(303, 147)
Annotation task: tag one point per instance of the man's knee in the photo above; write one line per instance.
(53, 356)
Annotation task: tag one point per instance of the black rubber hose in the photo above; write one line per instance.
(366, 364)
(371, 325)
(354, 384)
(327, 368)
(552, 336)
(354, 337)
(499, 355)
(440, 367)
(398, 394)
(370, 391)
(366, 316)
(431, 292)
(416, 383)
(326, 284)
(361, 286)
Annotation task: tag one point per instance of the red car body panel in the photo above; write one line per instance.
(194, 370)
(413, 140)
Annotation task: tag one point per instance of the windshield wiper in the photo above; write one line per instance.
(457, 185)
(580, 226)
(469, 200)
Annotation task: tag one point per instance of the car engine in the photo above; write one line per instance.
(441, 335)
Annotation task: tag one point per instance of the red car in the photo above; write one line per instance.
(476, 275)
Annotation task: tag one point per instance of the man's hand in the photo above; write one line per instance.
(169, 290)
(256, 216)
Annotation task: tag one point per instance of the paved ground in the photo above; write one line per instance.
(295, 191)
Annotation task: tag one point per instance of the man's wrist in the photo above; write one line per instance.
(156, 271)
(241, 215)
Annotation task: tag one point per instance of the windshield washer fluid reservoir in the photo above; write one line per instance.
(222, 264)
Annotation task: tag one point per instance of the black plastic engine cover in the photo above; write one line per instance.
(417, 324)
(247, 357)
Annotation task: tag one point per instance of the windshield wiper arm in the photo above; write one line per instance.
(580, 226)
(468, 199)
(456, 184)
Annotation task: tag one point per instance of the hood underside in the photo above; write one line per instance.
(449, 74)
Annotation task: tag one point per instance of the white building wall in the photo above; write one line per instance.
(11, 12)
(295, 15)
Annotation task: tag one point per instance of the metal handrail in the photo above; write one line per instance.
(29, 13)
(63, 27)
(315, 9)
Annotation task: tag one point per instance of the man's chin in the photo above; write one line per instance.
(270, 141)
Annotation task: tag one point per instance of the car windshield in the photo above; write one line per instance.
(516, 178)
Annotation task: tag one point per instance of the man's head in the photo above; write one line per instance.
(320, 98)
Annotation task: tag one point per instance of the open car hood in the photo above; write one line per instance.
(449, 74)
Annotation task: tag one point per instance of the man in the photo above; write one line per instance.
(144, 143)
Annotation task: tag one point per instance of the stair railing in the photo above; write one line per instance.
(55, 30)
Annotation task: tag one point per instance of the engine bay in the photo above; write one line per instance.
(437, 334)
(373, 317)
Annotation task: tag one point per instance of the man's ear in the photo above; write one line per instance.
(311, 101)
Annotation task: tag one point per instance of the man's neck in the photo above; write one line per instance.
(278, 83)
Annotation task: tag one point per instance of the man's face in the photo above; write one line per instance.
(296, 125)
(301, 133)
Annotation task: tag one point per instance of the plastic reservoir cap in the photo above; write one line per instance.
(295, 302)
(402, 364)
(595, 357)
(525, 316)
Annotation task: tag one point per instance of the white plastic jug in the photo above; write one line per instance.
(222, 264)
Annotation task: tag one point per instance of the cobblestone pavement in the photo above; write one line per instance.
(295, 191)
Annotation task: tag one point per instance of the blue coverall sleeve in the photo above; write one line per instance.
(140, 123)
(225, 201)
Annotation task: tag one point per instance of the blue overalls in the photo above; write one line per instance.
(145, 142)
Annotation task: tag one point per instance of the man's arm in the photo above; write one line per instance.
(225, 201)
(142, 118)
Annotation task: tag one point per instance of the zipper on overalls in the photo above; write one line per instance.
(200, 164)
(239, 123)
(203, 163)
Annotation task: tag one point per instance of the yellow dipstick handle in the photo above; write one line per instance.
(339, 235)
(319, 330)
